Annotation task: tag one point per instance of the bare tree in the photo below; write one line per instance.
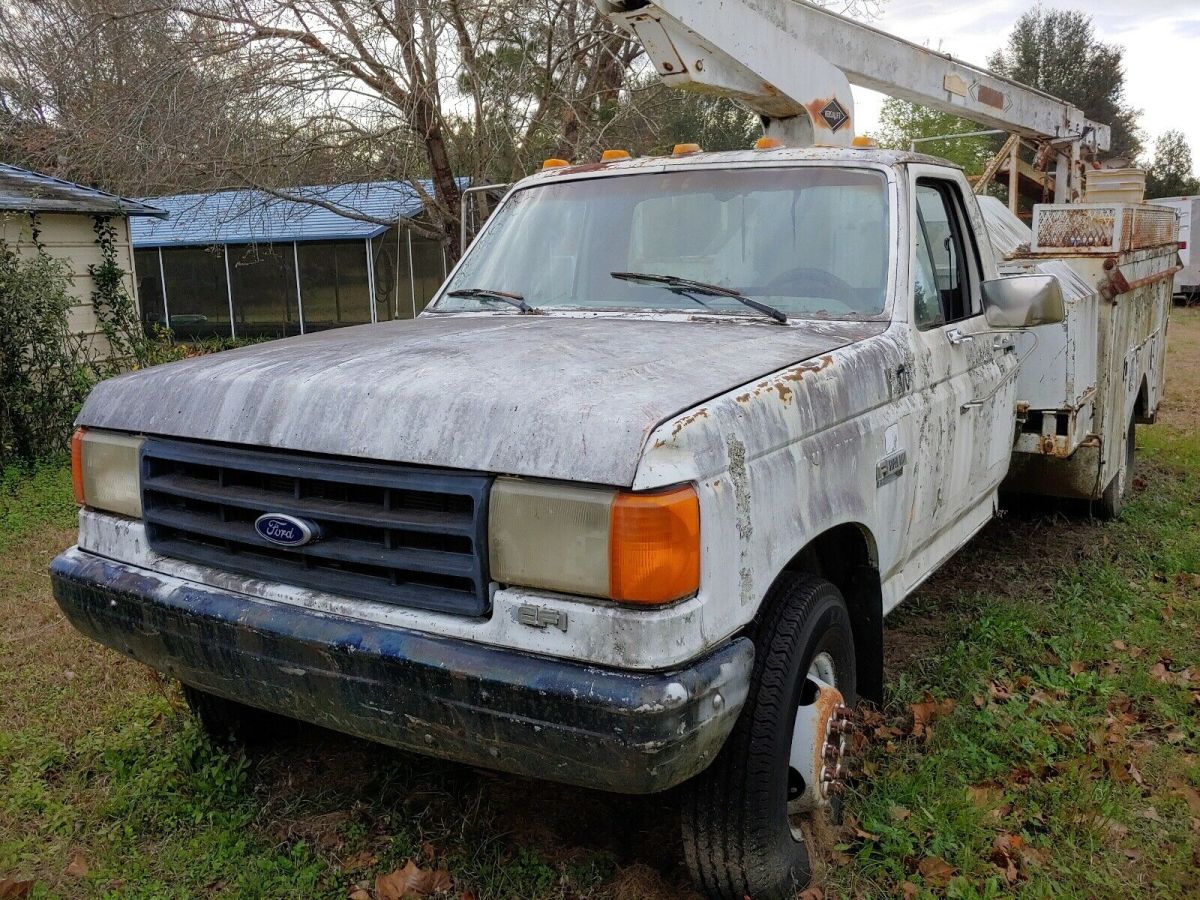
(148, 95)
(95, 94)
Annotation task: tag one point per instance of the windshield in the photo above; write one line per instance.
(809, 241)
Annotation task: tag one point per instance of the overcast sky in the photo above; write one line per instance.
(1161, 40)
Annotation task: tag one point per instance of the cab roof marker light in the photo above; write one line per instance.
(863, 142)
(685, 149)
(615, 155)
(768, 143)
(554, 163)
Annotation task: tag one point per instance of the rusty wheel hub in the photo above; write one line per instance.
(819, 743)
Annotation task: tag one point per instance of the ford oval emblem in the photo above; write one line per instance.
(286, 531)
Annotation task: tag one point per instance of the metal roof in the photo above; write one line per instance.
(258, 217)
(26, 191)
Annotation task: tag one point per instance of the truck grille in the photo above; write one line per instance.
(396, 534)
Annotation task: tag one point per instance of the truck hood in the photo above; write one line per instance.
(551, 396)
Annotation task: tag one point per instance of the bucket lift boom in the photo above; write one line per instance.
(793, 64)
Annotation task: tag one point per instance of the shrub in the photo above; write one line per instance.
(43, 378)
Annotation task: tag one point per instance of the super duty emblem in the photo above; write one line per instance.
(539, 617)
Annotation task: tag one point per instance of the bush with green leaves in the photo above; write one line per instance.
(42, 376)
(116, 313)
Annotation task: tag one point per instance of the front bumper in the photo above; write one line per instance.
(487, 706)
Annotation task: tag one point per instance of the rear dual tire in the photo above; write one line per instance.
(739, 838)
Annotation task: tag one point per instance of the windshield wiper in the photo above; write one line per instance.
(502, 296)
(686, 285)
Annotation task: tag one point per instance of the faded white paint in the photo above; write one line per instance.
(780, 428)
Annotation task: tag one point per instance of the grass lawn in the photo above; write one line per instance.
(1040, 739)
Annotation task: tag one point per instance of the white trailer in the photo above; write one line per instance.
(1187, 279)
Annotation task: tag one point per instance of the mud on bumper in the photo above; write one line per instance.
(632, 732)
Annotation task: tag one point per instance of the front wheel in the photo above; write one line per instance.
(742, 816)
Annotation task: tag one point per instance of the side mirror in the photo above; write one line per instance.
(1022, 301)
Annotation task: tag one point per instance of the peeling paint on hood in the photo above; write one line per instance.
(548, 396)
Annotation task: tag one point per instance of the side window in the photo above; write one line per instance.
(943, 257)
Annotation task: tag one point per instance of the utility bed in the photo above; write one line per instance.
(1083, 382)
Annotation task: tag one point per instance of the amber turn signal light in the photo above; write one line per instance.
(77, 464)
(654, 546)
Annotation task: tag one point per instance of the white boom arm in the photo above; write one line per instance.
(793, 63)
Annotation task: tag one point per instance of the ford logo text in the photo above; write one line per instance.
(286, 531)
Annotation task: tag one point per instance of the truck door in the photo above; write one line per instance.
(961, 368)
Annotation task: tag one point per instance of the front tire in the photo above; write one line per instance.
(739, 837)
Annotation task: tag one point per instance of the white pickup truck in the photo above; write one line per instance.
(627, 505)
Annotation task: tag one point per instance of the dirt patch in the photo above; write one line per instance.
(1025, 547)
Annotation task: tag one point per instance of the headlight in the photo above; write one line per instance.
(637, 547)
(105, 470)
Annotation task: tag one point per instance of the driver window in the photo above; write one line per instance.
(941, 284)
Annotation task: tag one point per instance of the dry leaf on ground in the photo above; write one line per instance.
(13, 888)
(1190, 795)
(1006, 854)
(78, 866)
(935, 870)
(925, 713)
(412, 881)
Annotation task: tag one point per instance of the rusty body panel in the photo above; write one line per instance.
(785, 431)
(896, 434)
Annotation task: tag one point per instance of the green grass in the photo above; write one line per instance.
(1057, 737)
(1061, 735)
(33, 498)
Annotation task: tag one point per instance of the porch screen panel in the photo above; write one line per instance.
(196, 292)
(150, 294)
(333, 284)
(264, 290)
(429, 269)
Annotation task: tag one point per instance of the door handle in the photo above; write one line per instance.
(957, 338)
